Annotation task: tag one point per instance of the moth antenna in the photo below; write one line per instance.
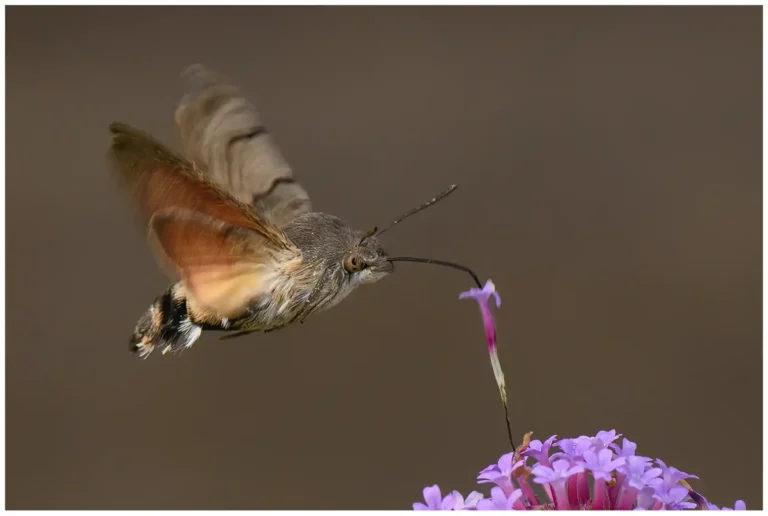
(414, 211)
(438, 262)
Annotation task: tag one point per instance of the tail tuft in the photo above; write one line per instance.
(166, 325)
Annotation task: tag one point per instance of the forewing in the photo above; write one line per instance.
(222, 130)
(159, 180)
(224, 267)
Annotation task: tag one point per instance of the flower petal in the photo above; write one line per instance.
(498, 299)
(505, 462)
(449, 502)
(432, 496)
(472, 499)
(604, 456)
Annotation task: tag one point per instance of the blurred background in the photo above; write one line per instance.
(609, 162)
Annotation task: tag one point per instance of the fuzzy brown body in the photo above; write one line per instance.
(298, 289)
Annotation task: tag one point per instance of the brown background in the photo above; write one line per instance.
(610, 170)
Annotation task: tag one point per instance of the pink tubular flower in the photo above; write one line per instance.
(557, 478)
(500, 473)
(499, 501)
(483, 296)
(461, 504)
(435, 500)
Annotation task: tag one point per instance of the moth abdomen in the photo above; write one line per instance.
(166, 325)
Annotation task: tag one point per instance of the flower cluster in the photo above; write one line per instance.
(620, 480)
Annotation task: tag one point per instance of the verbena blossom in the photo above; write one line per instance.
(500, 473)
(597, 477)
(483, 297)
(500, 501)
(621, 479)
(435, 500)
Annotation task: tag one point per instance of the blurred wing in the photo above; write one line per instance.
(223, 131)
(159, 180)
(224, 267)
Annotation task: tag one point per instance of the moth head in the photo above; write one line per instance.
(333, 249)
(367, 261)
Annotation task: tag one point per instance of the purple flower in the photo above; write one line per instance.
(539, 451)
(645, 499)
(740, 506)
(573, 449)
(560, 470)
(627, 450)
(633, 476)
(602, 463)
(500, 501)
(482, 296)
(603, 439)
(638, 476)
(461, 504)
(500, 473)
(674, 498)
(672, 476)
(435, 500)
(554, 480)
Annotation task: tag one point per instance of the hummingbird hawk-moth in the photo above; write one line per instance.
(232, 225)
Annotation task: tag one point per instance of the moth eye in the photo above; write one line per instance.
(353, 263)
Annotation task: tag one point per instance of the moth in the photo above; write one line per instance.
(231, 224)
